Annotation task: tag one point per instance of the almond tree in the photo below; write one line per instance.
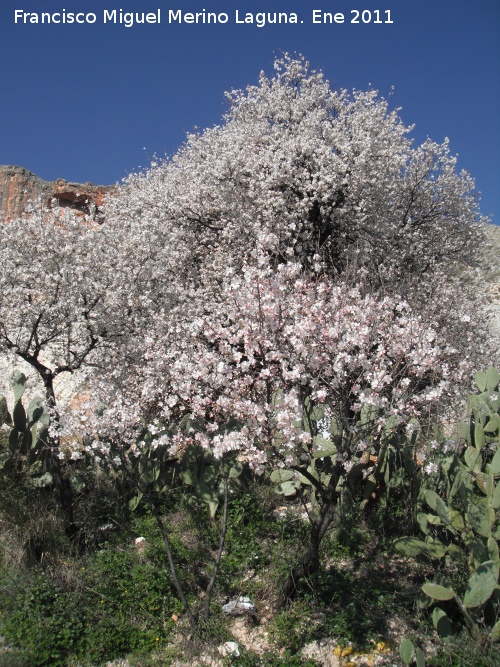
(370, 238)
(302, 255)
(59, 303)
(295, 372)
(328, 173)
(331, 177)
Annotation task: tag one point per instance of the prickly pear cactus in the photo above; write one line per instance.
(202, 474)
(27, 450)
(459, 509)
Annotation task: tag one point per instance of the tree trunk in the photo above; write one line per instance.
(63, 486)
(62, 483)
(173, 570)
(310, 561)
(223, 531)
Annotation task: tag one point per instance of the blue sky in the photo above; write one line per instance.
(91, 102)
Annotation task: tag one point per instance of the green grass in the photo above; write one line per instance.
(118, 600)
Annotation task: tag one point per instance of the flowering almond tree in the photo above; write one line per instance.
(290, 280)
(326, 179)
(330, 179)
(54, 284)
(329, 173)
(59, 303)
(304, 374)
(300, 292)
(293, 371)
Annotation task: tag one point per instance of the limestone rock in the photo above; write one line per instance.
(490, 277)
(18, 187)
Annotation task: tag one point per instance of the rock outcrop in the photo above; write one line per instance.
(18, 187)
(490, 274)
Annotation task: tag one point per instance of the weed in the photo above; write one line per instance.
(118, 604)
(462, 651)
(284, 659)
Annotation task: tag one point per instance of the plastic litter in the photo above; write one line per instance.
(239, 607)
(229, 649)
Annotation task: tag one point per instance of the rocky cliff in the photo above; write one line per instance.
(490, 275)
(18, 187)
